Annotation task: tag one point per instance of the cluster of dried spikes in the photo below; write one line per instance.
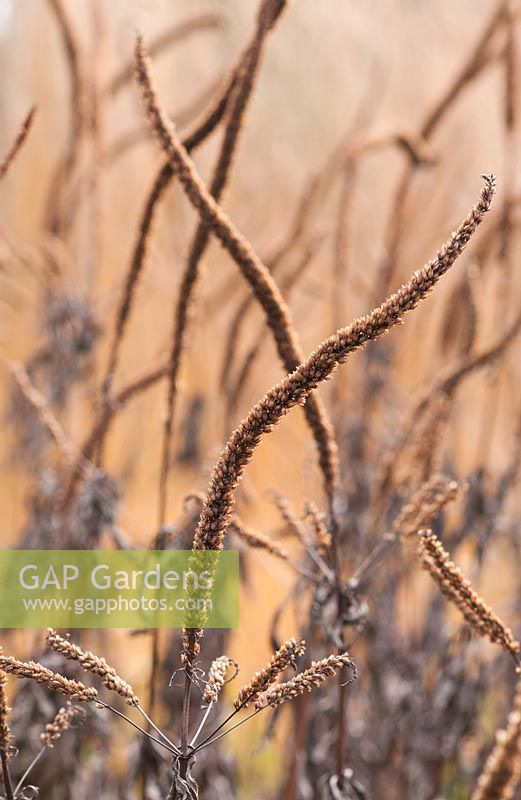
(294, 389)
(502, 769)
(306, 376)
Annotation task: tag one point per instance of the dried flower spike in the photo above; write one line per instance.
(65, 718)
(321, 536)
(261, 681)
(502, 770)
(297, 386)
(257, 540)
(217, 677)
(317, 673)
(5, 733)
(90, 662)
(276, 311)
(453, 584)
(425, 505)
(58, 683)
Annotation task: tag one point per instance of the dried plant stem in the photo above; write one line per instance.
(97, 129)
(8, 786)
(296, 387)
(345, 156)
(66, 166)
(155, 727)
(29, 769)
(182, 116)
(259, 278)
(502, 771)
(44, 413)
(162, 181)
(444, 387)
(5, 733)
(475, 63)
(67, 450)
(102, 423)
(201, 724)
(257, 540)
(236, 388)
(19, 139)
(215, 738)
(238, 106)
(5, 736)
(172, 749)
(177, 33)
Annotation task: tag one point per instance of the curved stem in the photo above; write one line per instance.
(29, 769)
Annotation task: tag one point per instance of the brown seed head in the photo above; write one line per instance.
(66, 717)
(425, 505)
(92, 663)
(217, 677)
(58, 683)
(455, 586)
(317, 673)
(261, 681)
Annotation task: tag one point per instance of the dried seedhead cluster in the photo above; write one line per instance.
(397, 669)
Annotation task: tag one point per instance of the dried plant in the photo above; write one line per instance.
(321, 536)
(57, 683)
(285, 657)
(416, 724)
(5, 736)
(502, 770)
(237, 108)
(66, 717)
(217, 678)
(313, 676)
(5, 733)
(277, 313)
(90, 662)
(425, 505)
(257, 540)
(296, 387)
(453, 584)
(20, 138)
